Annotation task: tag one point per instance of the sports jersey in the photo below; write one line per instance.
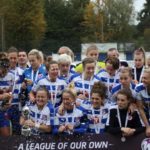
(34, 76)
(6, 83)
(118, 87)
(18, 75)
(83, 86)
(72, 117)
(109, 81)
(141, 94)
(55, 88)
(101, 114)
(44, 116)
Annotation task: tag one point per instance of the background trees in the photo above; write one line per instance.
(109, 21)
(144, 26)
(24, 22)
(49, 24)
(63, 24)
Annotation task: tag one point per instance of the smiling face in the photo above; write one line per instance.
(146, 78)
(53, 71)
(68, 101)
(97, 101)
(89, 70)
(41, 98)
(13, 58)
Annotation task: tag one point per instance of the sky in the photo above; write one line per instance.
(138, 5)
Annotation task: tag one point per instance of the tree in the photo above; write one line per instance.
(109, 21)
(144, 17)
(144, 26)
(24, 23)
(63, 24)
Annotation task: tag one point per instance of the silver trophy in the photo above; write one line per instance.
(26, 130)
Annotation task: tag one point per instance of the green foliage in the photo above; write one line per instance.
(63, 24)
(144, 25)
(24, 22)
(144, 17)
(112, 19)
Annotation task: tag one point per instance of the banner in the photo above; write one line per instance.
(75, 142)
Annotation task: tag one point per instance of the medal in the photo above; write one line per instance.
(123, 139)
(97, 124)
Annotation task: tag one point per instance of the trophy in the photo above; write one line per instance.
(26, 130)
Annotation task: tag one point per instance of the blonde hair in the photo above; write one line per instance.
(37, 53)
(64, 58)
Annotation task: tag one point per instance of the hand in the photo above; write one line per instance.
(131, 132)
(82, 96)
(7, 96)
(32, 98)
(62, 128)
(135, 81)
(95, 120)
(61, 109)
(28, 81)
(127, 131)
(69, 127)
(30, 123)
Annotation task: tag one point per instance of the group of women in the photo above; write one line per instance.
(92, 97)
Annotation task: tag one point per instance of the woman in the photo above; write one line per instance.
(142, 92)
(6, 86)
(40, 114)
(97, 112)
(125, 82)
(64, 62)
(35, 72)
(139, 64)
(120, 121)
(71, 119)
(110, 75)
(92, 52)
(53, 83)
(83, 82)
